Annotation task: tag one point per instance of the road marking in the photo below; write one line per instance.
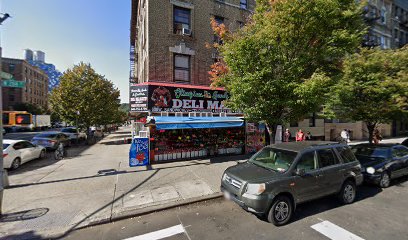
(164, 233)
(334, 232)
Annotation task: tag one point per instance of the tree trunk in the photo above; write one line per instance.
(272, 132)
(370, 127)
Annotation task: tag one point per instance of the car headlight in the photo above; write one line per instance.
(255, 189)
(370, 170)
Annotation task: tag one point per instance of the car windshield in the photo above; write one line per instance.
(5, 145)
(68, 130)
(274, 159)
(47, 135)
(369, 153)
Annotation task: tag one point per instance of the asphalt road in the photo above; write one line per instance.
(377, 214)
(24, 135)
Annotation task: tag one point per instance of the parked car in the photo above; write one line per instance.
(51, 140)
(382, 162)
(279, 177)
(17, 152)
(74, 134)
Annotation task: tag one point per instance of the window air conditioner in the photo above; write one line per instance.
(186, 32)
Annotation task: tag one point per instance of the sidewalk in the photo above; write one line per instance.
(50, 198)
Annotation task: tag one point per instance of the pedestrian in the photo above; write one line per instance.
(308, 136)
(300, 136)
(345, 137)
(377, 136)
(287, 135)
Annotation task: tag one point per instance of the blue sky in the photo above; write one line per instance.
(70, 31)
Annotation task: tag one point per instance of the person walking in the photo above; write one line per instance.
(377, 136)
(287, 135)
(300, 136)
(345, 137)
(308, 136)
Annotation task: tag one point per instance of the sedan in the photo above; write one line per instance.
(51, 140)
(74, 134)
(382, 162)
(17, 152)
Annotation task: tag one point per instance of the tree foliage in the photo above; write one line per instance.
(87, 97)
(373, 89)
(278, 67)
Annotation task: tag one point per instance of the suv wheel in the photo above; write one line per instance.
(281, 211)
(385, 180)
(348, 192)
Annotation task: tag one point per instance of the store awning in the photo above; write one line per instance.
(167, 123)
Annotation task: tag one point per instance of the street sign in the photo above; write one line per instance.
(5, 75)
(13, 83)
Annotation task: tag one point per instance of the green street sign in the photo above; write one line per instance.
(5, 75)
(13, 83)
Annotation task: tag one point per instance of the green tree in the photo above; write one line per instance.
(373, 89)
(278, 67)
(86, 97)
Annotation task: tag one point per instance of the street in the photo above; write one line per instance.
(377, 214)
(24, 135)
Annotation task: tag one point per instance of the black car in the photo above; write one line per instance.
(405, 142)
(279, 177)
(382, 162)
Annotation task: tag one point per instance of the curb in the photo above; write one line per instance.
(140, 212)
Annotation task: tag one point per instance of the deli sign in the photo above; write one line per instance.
(177, 99)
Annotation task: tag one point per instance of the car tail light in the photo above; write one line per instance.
(52, 141)
(5, 155)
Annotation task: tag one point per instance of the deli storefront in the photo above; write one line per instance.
(189, 122)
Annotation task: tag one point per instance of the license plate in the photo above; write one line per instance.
(227, 195)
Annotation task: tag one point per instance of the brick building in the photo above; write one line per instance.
(168, 38)
(36, 84)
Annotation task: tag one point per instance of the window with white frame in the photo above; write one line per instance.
(181, 68)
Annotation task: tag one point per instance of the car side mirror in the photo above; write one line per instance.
(300, 172)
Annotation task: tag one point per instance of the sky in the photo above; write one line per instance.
(71, 31)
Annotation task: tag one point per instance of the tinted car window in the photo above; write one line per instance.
(346, 154)
(5, 145)
(274, 159)
(327, 158)
(69, 130)
(372, 151)
(307, 162)
(399, 152)
(47, 135)
(27, 145)
(18, 146)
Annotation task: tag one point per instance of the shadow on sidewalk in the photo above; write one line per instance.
(107, 205)
(23, 236)
(24, 215)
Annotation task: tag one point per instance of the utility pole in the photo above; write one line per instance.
(2, 173)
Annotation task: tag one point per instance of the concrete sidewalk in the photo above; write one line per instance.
(49, 198)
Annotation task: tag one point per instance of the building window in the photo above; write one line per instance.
(312, 120)
(244, 4)
(294, 124)
(181, 19)
(219, 21)
(11, 98)
(181, 68)
(12, 67)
